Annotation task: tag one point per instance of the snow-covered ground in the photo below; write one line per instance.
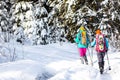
(57, 62)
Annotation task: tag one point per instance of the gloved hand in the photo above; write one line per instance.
(106, 50)
(92, 46)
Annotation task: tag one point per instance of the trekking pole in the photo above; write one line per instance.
(92, 52)
(90, 58)
(108, 61)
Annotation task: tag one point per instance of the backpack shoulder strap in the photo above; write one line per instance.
(79, 36)
(97, 37)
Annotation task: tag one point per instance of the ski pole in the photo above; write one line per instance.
(108, 61)
(92, 52)
(90, 57)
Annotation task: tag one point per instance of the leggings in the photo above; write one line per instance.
(82, 52)
(100, 56)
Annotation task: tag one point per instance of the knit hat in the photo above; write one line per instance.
(98, 31)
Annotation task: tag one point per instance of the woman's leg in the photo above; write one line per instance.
(101, 61)
(85, 57)
(81, 53)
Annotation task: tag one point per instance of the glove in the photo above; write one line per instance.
(92, 46)
(106, 50)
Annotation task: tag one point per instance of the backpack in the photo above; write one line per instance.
(100, 43)
(83, 37)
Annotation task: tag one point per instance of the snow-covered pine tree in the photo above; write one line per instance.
(41, 15)
(19, 11)
(45, 21)
(5, 27)
(56, 29)
(102, 14)
(32, 18)
(24, 18)
(115, 22)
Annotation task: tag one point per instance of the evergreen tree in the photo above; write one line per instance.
(93, 14)
(51, 21)
(5, 25)
(41, 20)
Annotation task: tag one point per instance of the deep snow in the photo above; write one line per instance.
(57, 62)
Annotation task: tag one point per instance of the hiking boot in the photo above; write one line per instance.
(101, 67)
(85, 59)
(101, 70)
(86, 62)
(82, 61)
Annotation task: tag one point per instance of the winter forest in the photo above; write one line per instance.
(50, 21)
(46, 22)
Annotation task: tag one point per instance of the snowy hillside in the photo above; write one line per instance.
(57, 62)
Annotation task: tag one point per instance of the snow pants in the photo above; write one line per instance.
(83, 57)
(100, 56)
(82, 52)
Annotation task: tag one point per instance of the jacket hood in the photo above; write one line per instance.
(82, 28)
